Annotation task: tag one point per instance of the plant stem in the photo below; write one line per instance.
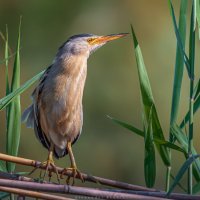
(75, 190)
(32, 194)
(191, 102)
(190, 170)
(168, 176)
(91, 193)
(86, 177)
(178, 76)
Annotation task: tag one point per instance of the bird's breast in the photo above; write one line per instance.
(61, 101)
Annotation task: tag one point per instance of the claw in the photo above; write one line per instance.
(46, 165)
(75, 173)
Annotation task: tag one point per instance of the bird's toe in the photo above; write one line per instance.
(72, 173)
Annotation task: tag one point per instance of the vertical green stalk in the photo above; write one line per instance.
(14, 110)
(178, 75)
(6, 61)
(191, 102)
(7, 74)
(179, 65)
(168, 175)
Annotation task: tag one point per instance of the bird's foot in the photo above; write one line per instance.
(49, 167)
(75, 173)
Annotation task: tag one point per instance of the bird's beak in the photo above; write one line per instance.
(107, 38)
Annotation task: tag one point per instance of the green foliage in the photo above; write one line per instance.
(149, 158)
(6, 61)
(152, 127)
(198, 15)
(148, 101)
(179, 184)
(14, 111)
(196, 91)
(179, 65)
(185, 58)
(196, 105)
(4, 195)
(191, 102)
(5, 101)
(182, 171)
(196, 188)
(141, 133)
(128, 126)
(2, 166)
(183, 141)
(152, 132)
(12, 104)
(170, 145)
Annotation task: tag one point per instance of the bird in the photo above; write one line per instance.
(56, 112)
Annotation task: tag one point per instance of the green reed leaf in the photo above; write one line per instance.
(179, 64)
(14, 110)
(148, 101)
(182, 171)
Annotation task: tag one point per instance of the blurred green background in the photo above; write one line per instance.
(104, 149)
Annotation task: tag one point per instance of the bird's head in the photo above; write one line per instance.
(85, 44)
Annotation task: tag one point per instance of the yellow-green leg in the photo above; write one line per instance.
(48, 163)
(73, 168)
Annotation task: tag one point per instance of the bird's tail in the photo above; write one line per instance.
(59, 153)
(28, 117)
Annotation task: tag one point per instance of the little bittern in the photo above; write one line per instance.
(56, 112)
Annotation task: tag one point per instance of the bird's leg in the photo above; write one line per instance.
(48, 163)
(73, 168)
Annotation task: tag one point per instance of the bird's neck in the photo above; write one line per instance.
(75, 66)
(68, 76)
(76, 72)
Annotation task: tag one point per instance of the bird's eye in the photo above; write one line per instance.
(90, 40)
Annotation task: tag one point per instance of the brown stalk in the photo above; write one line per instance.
(126, 190)
(89, 178)
(32, 194)
(74, 190)
(90, 191)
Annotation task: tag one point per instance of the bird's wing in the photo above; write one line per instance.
(31, 114)
(40, 125)
(40, 134)
(36, 117)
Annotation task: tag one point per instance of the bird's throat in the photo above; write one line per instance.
(75, 76)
